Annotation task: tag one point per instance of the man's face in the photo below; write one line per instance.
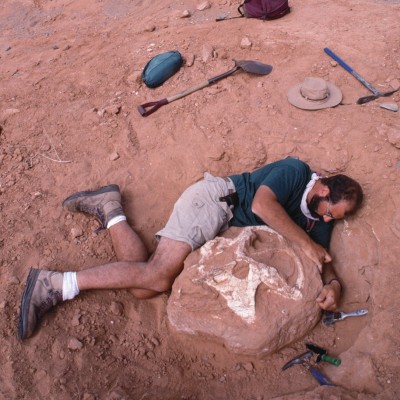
(321, 207)
(314, 205)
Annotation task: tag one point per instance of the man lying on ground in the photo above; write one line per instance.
(285, 195)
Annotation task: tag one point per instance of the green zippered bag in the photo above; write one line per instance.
(161, 67)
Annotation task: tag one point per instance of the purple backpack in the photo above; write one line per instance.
(264, 9)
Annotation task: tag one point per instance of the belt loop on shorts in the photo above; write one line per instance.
(231, 185)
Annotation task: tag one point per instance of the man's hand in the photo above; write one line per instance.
(329, 297)
(317, 254)
(266, 206)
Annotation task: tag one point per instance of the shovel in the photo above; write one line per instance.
(365, 99)
(253, 67)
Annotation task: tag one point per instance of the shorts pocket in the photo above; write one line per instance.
(197, 202)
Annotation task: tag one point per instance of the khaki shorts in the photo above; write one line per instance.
(198, 215)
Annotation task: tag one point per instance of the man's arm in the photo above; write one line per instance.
(266, 206)
(329, 297)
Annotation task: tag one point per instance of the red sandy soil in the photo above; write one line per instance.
(70, 87)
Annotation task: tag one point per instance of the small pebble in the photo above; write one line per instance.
(248, 366)
(45, 147)
(114, 109)
(394, 83)
(207, 52)
(76, 232)
(10, 111)
(245, 43)
(74, 344)
(189, 59)
(389, 106)
(14, 280)
(203, 6)
(117, 308)
(114, 156)
(150, 28)
(76, 320)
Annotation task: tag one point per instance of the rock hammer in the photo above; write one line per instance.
(364, 99)
(305, 359)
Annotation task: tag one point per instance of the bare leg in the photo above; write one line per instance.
(127, 244)
(129, 247)
(145, 278)
(156, 275)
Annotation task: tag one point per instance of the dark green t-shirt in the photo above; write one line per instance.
(288, 179)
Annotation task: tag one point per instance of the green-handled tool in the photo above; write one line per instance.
(322, 355)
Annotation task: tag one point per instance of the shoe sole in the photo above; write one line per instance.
(25, 303)
(89, 193)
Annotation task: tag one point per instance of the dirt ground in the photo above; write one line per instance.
(70, 87)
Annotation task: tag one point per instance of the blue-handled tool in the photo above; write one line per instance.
(365, 99)
(321, 378)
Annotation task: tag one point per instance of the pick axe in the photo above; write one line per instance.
(364, 99)
(304, 361)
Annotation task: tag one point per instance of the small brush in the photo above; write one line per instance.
(331, 317)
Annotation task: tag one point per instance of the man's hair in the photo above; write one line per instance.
(341, 187)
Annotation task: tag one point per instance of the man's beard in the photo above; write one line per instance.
(314, 203)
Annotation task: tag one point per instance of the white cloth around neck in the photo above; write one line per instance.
(303, 205)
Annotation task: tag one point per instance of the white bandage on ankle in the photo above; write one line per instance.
(70, 286)
(115, 220)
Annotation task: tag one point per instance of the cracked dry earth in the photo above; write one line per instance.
(70, 87)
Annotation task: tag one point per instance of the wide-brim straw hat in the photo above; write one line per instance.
(314, 94)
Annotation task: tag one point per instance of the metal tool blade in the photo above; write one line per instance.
(356, 313)
(298, 360)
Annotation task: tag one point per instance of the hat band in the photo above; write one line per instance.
(323, 100)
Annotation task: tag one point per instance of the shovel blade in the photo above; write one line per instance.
(254, 67)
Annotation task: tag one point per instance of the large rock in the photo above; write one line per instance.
(249, 290)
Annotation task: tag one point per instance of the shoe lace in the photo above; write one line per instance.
(100, 216)
(97, 213)
(54, 297)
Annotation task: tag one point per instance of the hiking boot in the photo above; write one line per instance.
(103, 203)
(43, 290)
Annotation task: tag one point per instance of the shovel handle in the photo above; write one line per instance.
(148, 108)
(351, 70)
